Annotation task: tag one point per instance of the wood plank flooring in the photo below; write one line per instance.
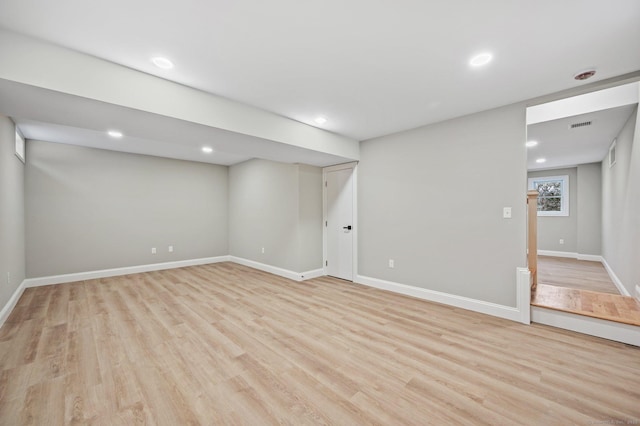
(574, 273)
(612, 307)
(226, 344)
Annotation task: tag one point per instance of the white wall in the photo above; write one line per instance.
(89, 209)
(12, 242)
(432, 199)
(621, 206)
(277, 206)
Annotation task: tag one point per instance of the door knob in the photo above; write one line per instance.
(347, 227)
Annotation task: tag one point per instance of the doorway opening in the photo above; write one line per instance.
(588, 214)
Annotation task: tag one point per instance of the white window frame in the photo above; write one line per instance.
(564, 200)
(20, 147)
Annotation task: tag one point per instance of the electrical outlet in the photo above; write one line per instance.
(561, 241)
(170, 249)
(153, 250)
(506, 213)
(392, 263)
(262, 250)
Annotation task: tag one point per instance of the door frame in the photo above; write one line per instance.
(354, 181)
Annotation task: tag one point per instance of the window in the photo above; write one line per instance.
(19, 146)
(553, 195)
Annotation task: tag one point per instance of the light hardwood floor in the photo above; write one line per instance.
(574, 273)
(226, 344)
(612, 307)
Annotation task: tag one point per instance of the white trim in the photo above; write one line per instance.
(621, 288)
(311, 274)
(618, 332)
(354, 182)
(286, 273)
(523, 294)
(589, 257)
(104, 273)
(11, 303)
(501, 311)
(20, 147)
(571, 255)
(612, 153)
(558, 253)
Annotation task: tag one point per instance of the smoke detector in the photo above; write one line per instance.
(583, 75)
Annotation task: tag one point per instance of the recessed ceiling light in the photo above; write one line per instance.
(541, 160)
(114, 133)
(531, 143)
(207, 149)
(481, 59)
(161, 62)
(321, 119)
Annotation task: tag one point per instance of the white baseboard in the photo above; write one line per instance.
(6, 311)
(590, 257)
(104, 273)
(523, 294)
(501, 311)
(571, 255)
(621, 288)
(312, 274)
(296, 276)
(618, 332)
(558, 253)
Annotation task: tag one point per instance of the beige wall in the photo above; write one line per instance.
(12, 243)
(432, 199)
(90, 209)
(277, 206)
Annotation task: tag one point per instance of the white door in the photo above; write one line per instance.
(339, 223)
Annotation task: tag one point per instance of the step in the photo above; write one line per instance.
(610, 307)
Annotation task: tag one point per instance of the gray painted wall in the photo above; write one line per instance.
(621, 206)
(277, 206)
(90, 209)
(432, 198)
(12, 242)
(553, 228)
(310, 217)
(589, 209)
(581, 230)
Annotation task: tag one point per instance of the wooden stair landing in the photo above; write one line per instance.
(611, 307)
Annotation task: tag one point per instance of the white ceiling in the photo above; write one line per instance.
(563, 146)
(372, 68)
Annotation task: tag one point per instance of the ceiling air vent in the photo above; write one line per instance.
(582, 124)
